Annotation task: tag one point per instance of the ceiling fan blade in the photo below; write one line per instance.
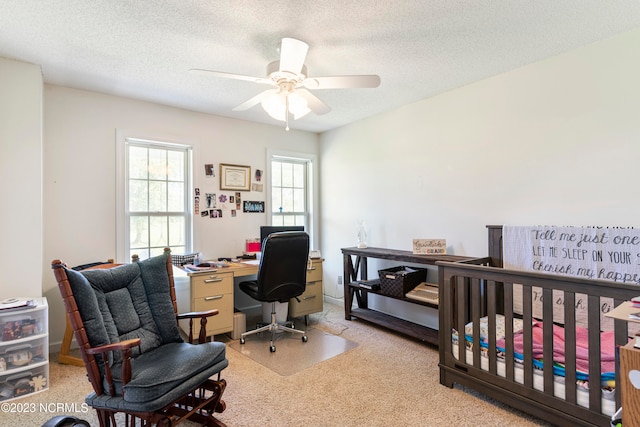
(255, 100)
(342, 82)
(313, 102)
(292, 55)
(224, 75)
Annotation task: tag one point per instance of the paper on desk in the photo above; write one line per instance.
(192, 267)
(252, 262)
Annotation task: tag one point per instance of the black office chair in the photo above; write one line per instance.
(282, 275)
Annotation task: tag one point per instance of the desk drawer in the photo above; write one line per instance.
(315, 274)
(211, 285)
(310, 301)
(223, 321)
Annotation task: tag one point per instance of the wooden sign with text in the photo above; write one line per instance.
(429, 246)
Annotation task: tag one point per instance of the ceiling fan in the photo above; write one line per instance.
(291, 96)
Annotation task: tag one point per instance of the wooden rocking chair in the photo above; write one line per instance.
(125, 322)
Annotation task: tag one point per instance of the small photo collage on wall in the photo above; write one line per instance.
(225, 200)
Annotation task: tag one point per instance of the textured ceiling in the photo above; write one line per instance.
(143, 49)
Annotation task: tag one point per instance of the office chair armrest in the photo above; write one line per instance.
(123, 346)
(202, 315)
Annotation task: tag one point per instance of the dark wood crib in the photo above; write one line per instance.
(478, 288)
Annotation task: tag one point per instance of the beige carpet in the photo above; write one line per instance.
(386, 380)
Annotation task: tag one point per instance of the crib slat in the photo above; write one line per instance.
(475, 318)
(569, 347)
(461, 315)
(547, 339)
(595, 391)
(527, 335)
(491, 315)
(508, 313)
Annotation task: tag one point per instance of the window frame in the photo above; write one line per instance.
(312, 196)
(123, 139)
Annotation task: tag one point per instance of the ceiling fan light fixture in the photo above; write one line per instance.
(276, 105)
(273, 105)
(298, 105)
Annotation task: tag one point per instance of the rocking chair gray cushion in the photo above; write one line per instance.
(159, 375)
(134, 301)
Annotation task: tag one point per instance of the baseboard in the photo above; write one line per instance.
(249, 307)
(54, 347)
(332, 300)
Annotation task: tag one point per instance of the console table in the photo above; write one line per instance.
(355, 262)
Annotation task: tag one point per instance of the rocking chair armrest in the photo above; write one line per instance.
(198, 314)
(202, 315)
(116, 346)
(123, 346)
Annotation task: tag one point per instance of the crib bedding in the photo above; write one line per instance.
(607, 346)
(607, 361)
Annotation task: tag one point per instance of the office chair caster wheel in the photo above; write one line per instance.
(272, 349)
(304, 338)
(242, 340)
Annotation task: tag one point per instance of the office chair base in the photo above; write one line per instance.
(274, 327)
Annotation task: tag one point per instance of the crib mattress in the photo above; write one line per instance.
(582, 395)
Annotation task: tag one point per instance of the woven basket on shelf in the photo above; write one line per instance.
(397, 281)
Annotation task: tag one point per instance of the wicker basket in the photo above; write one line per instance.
(183, 259)
(397, 281)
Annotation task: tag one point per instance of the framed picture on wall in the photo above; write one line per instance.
(235, 177)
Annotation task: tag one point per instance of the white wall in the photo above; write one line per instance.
(21, 183)
(80, 178)
(556, 142)
(551, 143)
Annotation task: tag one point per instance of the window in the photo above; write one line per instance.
(155, 203)
(289, 192)
(292, 193)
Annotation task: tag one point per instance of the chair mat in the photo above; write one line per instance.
(292, 355)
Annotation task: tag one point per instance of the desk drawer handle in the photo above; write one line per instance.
(213, 298)
(309, 297)
(213, 279)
